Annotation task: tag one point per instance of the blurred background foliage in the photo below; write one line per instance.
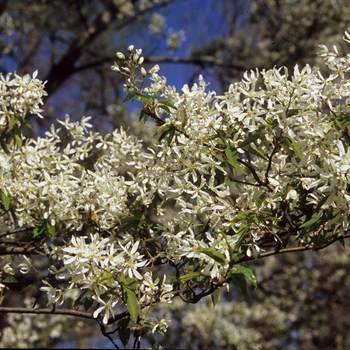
(302, 299)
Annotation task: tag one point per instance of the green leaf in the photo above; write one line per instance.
(18, 137)
(128, 283)
(171, 135)
(247, 273)
(290, 143)
(39, 228)
(242, 216)
(164, 133)
(214, 254)
(165, 109)
(203, 282)
(215, 297)
(6, 200)
(132, 305)
(322, 239)
(256, 152)
(260, 200)
(143, 115)
(79, 300)
(88, 301)
(232, 155)
(252, 138)
(189, 276)
(32, 285)
(129, 96)
(166, 103)
(241, 235)
(310, 222)
(239, 279)
(129, 286)
(292, 112)
(10, 279)
(223, 178)
(106, 276)
(271, 123)
(51, 230)
(124, 335)
(339, 124)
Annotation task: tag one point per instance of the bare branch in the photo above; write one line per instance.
(24, 310)
(293, 249)
(14, 250)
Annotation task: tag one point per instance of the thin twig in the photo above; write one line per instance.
(24, 310)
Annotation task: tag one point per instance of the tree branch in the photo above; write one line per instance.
(293, 249)
(24, 310)
(14, 250)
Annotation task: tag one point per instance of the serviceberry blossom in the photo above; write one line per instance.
(263, 167)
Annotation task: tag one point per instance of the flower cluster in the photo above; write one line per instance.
(18, 97)
(231, 176)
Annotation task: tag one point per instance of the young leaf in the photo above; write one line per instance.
(252, 138)
(78, 301)
(203, 282)
(241, 235)
(189, 276)
(164, 130)
(232, 155)
(260, 199)
(309, 222)
(256, 152)
(290, 143)
(128, 283)
(88, 301)
(171, 135)
(214, 254)
(247, 273)
(17, 136)
(164, 108)
(129, 96)
(215, 297)
(271, 123)
(132, 305)
(124, 335)
(6, 200)
(39, 228)
(243, 215)
(292, 112)
(51, 230)
(10, 279)
(166, 103)
(239, 279)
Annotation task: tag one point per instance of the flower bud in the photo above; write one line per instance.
(121, 55)
(155, 69)
(116, 68)
(143, 71)
(126, 69)
(130, 48)
(140, 61)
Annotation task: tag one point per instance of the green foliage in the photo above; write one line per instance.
(129, 286)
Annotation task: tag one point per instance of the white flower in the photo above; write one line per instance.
(133, 260)
(54, 295)
(25, 267)
(106, 308)
(161, 326)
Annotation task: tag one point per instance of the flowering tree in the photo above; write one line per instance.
(118, 229)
